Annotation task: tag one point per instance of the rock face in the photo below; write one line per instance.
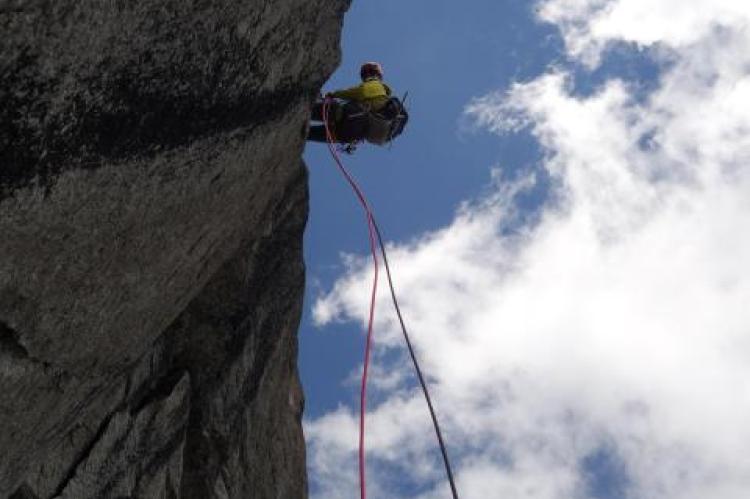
(152, 203)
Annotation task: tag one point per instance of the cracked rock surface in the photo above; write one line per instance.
(152, 204)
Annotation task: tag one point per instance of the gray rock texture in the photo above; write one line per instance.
(152, 204)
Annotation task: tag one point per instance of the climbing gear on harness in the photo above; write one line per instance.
(371, 69)
(373, 231)
(387, 123)
(354, 123)
(349, 148)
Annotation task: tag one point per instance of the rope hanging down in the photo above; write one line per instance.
(370, 227)
(374, 230)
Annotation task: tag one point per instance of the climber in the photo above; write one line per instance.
(368, 112)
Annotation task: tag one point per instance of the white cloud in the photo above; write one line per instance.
(588, 26)
(619, 321)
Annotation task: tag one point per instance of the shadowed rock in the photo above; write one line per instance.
(152, 204)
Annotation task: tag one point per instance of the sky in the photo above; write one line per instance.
(566, 218)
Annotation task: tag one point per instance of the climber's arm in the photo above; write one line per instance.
(353, 93)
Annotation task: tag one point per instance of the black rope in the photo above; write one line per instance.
(435, 423)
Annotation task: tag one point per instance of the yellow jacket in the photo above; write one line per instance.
(372, 93)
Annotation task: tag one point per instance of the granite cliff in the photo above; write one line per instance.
(152, 204)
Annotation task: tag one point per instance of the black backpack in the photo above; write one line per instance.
(387, 123)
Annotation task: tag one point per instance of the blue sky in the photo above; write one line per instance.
(454, 53)
(562, 211)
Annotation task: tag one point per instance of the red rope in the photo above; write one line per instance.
(373, 230)
(368, 343)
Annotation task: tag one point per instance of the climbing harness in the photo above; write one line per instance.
(374, 233)
(387, 123)
(379, 127)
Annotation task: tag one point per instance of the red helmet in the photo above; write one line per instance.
(370, 69)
